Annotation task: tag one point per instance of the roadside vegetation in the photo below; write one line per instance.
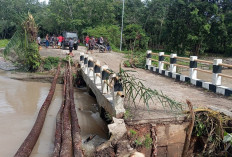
(211, 134)
(3, 43)
(22, 47)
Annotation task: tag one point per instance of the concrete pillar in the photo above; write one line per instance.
(118, 98)
(161, 64)
(148, 59)
(192, 66)
(97, 71)
(90, 67)
(86, 64)
(105, 77)
(217, 69)
(82, 59)
(172, 68)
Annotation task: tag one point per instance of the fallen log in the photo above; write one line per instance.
(66, 148)
(59, 118)
(74, 121)
(29, 143)
(189, 131)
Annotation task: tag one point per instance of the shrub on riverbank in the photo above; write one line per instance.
(50, 62)
(3, 43)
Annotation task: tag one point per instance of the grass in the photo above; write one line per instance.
(3, 42)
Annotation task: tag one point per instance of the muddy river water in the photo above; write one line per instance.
(20, 102)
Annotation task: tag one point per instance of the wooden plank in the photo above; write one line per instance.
(184, 58)
(154, 60)
(156, 54)
(204, 71)
(224, 75)
(203, 61)
(225, 65)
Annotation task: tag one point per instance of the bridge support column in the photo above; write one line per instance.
(172, 63)
(192, 66)
(97, 73)
(86, 64)
(161, 64)
(148, 60)
(118, 98)
(105, 77)
(82, 59)
(90, 68)
(217, 69)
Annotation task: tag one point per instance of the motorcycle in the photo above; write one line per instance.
(102, 48)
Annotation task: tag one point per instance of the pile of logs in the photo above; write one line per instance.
(67, 136)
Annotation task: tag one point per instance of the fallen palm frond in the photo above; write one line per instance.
(135, 89)
(29, 143)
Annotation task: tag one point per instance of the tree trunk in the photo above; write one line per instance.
(59, 119)
(74, 121)
(189, 131)
(66, 148)
(29, 143)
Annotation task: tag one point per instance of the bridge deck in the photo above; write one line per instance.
(176, 90)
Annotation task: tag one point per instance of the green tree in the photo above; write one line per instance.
(111, 33)
(135, 37)
(24, 46)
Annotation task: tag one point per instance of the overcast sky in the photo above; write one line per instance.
(44, 1)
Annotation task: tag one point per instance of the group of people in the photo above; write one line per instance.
(53, 40)
(56, 42)
(90, 43)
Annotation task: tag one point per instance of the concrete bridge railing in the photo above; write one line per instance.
(216, 73)
(104, 84)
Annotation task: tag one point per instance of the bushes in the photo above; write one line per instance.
(50, 62)
(3, 43)
(136, 59)
(32, 57)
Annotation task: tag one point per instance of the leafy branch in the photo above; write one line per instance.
(135, 89)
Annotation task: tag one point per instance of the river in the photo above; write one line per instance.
(20, 102)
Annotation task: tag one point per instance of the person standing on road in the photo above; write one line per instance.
(87, 41)
(38, 41)
(47, 41)
(101, 41)
(90, 45)
(60, 39)
(71, 43)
